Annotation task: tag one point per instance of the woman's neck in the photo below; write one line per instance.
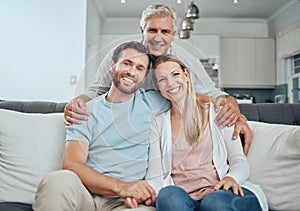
(176, 118)
(177, 110)
(178, 107)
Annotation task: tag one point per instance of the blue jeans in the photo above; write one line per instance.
(174, 198)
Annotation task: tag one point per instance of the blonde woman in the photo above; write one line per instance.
(196, 163)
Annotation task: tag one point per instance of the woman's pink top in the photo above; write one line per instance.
(193, 168)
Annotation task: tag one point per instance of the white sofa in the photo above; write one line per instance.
(31, 145)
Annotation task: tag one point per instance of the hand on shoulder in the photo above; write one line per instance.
(204, 99)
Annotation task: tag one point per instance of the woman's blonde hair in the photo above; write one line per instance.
(193, 121)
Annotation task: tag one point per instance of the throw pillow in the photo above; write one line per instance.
(274, 159)
(31, 145)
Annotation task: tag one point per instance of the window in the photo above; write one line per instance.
(295, 79)
(297, 64)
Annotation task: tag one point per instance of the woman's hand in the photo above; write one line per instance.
(228, 182)
(131, 202)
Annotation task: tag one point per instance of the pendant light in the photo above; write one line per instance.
(184, 34)
(187, 24)
(192, 11)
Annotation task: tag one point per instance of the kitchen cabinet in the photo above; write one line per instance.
(209, 45)
(247, 63)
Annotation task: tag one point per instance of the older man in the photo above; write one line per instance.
(157, 26)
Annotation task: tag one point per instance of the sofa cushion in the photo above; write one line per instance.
(31, 145)
(274, 159)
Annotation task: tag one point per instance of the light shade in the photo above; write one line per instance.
(192, 11)
(184, 34)
(187, 24)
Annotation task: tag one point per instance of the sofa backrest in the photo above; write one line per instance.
(276, 113)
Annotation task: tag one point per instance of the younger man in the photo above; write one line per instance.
(106, 157)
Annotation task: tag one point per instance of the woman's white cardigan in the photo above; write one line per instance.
(224, 149)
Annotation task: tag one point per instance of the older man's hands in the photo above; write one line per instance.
(230, 115)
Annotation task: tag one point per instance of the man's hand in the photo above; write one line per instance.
(75, 111)
(242, 127)
(229, 113)
(138, 192)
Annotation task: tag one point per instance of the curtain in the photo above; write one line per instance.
(289, 41)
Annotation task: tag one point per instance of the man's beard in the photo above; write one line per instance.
(116, 78)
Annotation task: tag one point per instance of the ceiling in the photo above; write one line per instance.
(208, 8)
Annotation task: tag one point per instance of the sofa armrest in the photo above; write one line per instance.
(33, 106)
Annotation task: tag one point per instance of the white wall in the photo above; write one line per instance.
(93, 39)
(206, 34)
(42, 45)
(205, 26)
(232, 27)
(288, 16)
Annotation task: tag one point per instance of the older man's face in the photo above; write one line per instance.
(158, 34)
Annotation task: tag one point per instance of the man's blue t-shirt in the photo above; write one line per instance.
(117, 134)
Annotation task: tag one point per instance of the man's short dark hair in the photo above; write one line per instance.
(133, 45)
